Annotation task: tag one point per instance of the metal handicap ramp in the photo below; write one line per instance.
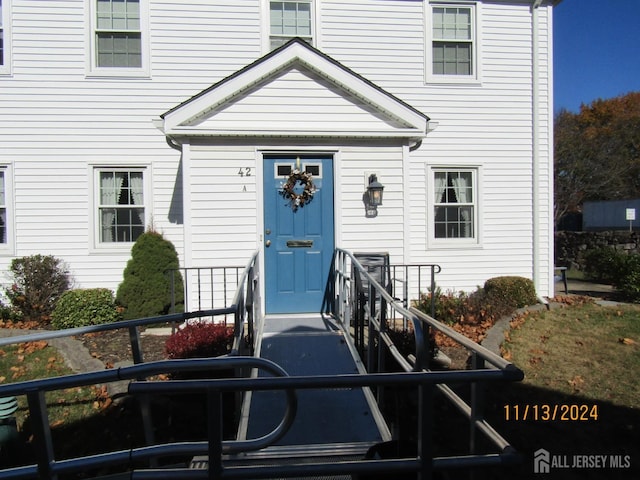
(330, 424)
(313, 345)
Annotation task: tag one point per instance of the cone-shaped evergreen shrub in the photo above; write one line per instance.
(146, 288)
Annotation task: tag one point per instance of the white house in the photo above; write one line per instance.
(190, 116)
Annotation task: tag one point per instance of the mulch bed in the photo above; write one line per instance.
(114, 347)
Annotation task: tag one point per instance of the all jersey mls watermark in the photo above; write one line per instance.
(545, 462)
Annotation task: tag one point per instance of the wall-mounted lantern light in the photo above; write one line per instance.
(372, 197)
(374, 191)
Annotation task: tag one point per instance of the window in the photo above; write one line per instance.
(121, 205)
(118, 34)
(3, 208)
(453, 47)
(454, 204)
(289, 20)
(1, 35)
(5, 37)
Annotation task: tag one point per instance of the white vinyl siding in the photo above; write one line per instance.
(121, 205)
(288, 20)
(57, 125)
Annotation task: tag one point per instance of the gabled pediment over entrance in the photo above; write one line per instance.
(295, 91)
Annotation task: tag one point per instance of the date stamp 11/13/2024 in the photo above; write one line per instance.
(550, 413)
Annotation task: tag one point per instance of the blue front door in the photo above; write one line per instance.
(298, 242)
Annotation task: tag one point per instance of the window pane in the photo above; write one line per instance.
(452, 41)
(3, 210)
(454, 204)
(451, 23)
(289, 19)
(121, 213)
(2, 189)
(119, 50)
(452, 58)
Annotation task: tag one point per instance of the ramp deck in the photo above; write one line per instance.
(313, 345)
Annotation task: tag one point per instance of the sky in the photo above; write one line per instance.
(596, 51)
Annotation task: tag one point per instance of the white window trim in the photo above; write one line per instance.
(8, 248)
(266, 24)
(94, 173)
(476, 41)
(92, 70)
(434, 243)
(5, 13)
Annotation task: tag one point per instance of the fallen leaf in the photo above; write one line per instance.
(535, 360)
(576, 382)
(627, 341)
(57, 423)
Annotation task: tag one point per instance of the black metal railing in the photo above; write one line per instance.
(369, 315)
(47, 467)
(370, 312)
(204, 287)
(244, 308)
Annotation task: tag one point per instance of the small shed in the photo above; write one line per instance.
(611, 215)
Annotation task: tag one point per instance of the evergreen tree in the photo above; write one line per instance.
(146, 288)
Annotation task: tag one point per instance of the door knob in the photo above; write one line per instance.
(268, 243)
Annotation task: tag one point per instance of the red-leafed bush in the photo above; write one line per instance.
(200, 340)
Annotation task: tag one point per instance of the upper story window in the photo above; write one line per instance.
(453, 52)
(118, 38)
(288, 20)
(5, 36)
(121, 205)
(118, 34)
(1, 34)
(455, 204)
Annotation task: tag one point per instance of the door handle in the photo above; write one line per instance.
(268, 243)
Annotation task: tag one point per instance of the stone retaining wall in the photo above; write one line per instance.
(570, 246)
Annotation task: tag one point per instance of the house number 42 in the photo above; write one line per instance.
(245, 172)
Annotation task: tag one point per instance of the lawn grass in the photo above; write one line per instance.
(36, 360)
(578, 355)
(582, 354)
(591, 351)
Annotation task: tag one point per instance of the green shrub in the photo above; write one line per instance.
(9, 313)
(500, 296)
(146, 287)
(82, 307)
(604, 265)
(38, 283)
(200, 340)
(449, 306)
(510, 292)
(628, 281)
